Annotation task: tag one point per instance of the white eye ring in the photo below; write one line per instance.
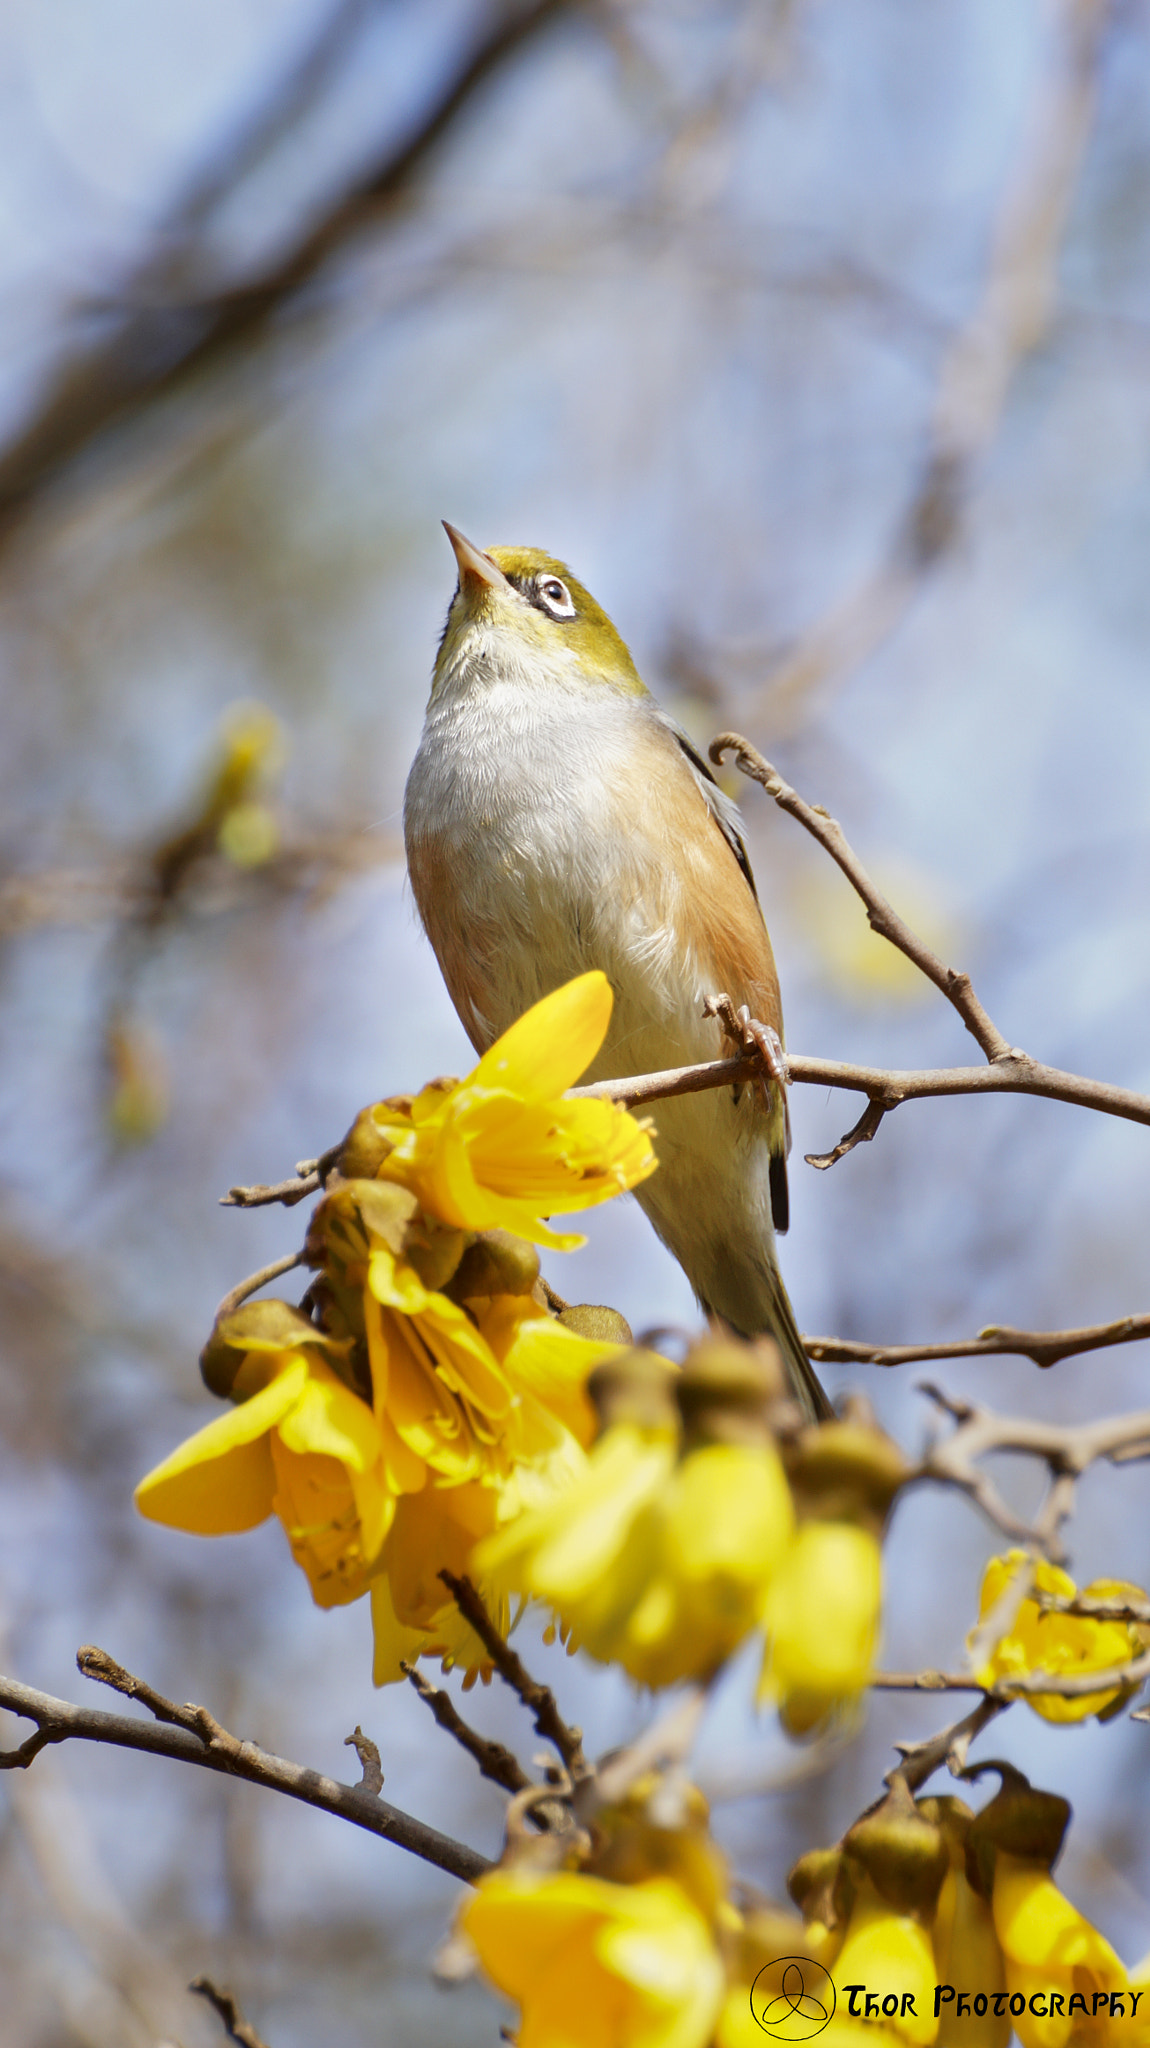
(554, 596)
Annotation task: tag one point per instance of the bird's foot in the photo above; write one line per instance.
(748, 1035)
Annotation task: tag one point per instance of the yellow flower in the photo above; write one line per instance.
(596, 1963)
(1041, 1640)
(303, 1447)
(469, 1394)
(821, 1612)
(653, 1564)
(1055, 1961)
(888, 1955)
(412, 1612)
(502, 1148)
(966, 1952)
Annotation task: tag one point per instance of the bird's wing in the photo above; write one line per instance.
(724, 812)
(726, 816)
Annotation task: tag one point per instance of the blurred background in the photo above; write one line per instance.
(817, 338)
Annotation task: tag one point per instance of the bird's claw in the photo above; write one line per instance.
(748, 1035)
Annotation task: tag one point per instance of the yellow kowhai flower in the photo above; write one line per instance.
(592, 1962)
(1041, 1640)
(653, 1561)
(301, 1445)
(889, 1952)
(501, 1148)
(412, 1613)
(966, 1950)
(381, 1493)
(821, 1611)
(1056, 1963)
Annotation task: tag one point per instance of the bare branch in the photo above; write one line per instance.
(153, 347)
(494, 1760)
(538, 1699)
(192, 1735)
(1067, 1449)
(1008, 321)
(1045, 1347)
(920, 1760)
(236, 2027)
(881, 915)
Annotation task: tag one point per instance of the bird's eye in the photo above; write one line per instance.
(554, 597)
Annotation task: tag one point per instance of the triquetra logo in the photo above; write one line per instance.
(793, 1998)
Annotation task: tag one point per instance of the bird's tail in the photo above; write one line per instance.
(763, 1309)
(801, 1377)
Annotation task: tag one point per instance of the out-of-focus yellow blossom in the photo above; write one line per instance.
(821, 1609)
(760, 1947)
(502, 1148)
(1055, 1958)
(821, 1613)
(302, 1446)
(966, 1951)
(1041, 1640)
(595, 1963)
(856, 960)
(888, 1951)
(412, 1613)
(627, 1952)
(654, 1559)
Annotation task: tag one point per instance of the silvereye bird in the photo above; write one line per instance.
(558, 820)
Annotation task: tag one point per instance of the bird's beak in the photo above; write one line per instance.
(476, 570)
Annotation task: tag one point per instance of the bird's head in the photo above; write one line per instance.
(518, 615)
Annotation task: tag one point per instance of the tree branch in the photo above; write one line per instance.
(494, 1760)
(236, 2027)
(192, 1735)
(1044, 1347)
(1008, 321)
(538, 1699)
(1067, 1449)
(155, 346)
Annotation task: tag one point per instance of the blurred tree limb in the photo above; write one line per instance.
(1006, 325)
(150, 340)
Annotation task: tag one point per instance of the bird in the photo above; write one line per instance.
(558, 819)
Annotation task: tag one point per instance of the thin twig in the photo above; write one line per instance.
(1119, 1608)
(924, 1681)
(1045, 1347)
(255, 1281)
(371, 1769)
(153, 347)
(236, 2027)
(1067, 1449)
(494, 1760)
(192, 1735)
(1014, 1074)
(308, 1178)
(1009, 319)
(538, 1699)
(881, 915)
(920, 1760)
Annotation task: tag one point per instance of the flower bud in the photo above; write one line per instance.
(847, 1471)
(601, 1325)
(496, 1262)
(637, 1388)
(1025, 1822)
(257, 1331)
(902, 1852)
(820, 1885)
(725, 1390)
(365, 1147)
